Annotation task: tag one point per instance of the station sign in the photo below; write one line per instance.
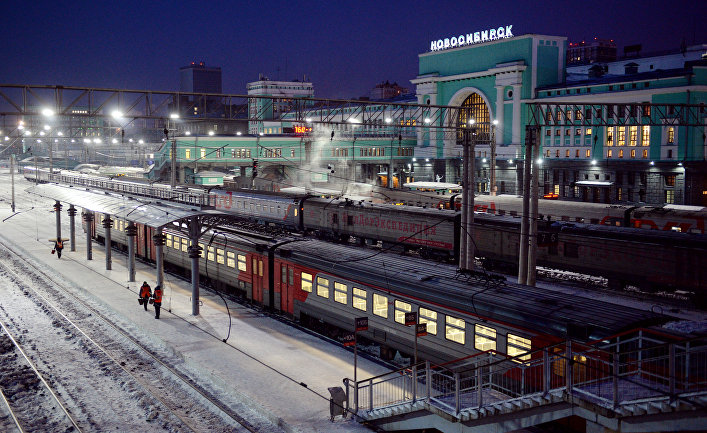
(296, 129)
(472, 38)
(410, 318)
(421, 329)
(348, 340)
(361, 324)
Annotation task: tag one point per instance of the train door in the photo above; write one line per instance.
(140, 240)
(287, 287)
(257, 273)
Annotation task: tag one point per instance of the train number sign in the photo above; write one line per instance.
(361, 324)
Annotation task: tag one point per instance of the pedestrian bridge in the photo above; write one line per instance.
(639, 381)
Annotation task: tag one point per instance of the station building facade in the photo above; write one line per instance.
(497, 79)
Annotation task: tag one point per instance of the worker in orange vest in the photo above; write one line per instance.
(145, 294)
(157, 295)
(58, 246)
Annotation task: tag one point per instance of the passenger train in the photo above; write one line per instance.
(325, 286)
(655, 260)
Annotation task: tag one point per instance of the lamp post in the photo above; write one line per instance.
(492, 141)
(173, 156)
(49, 113)
(466, 245)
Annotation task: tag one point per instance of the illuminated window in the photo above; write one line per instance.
(322, 287)
(609, 153)
(241, 263)
(202, 153)
(621, 153)
(518, 346)
(340, 292)
(185, 245)
(588, 131)
(210, 253)
(622, 136)
(168, 241)
(633, 153)
(260, 268)
(484, 338)
(646, 135)
(454, 330)
(588, 153)
(219, 256)
(187, 153)
(231, 259)
(645, 153)
(576, 153)
(567, 153)
(610, 136)
(669, 196)
(307, 282)
(670, 180)
(632, 135)
(359, 299)
(400, 309)
(557, 153)
(671, 135)
(380, 305)
(430, 318)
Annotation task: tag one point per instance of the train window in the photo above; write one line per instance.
(254, 268)
(185, 244)
(340, 292)
(484, 338)
(219, 256)
(380, 305)
(283, 274)
(272, 209)
(260, 268)
(307, 282)
(400, 309)
(430, 318)
(241, 263)
(454, 330)
(168, 241)
(230, 259)
(359, 299)
(322, 287)
(518, 346)
(291, 273)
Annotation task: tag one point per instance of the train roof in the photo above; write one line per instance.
(535, 309)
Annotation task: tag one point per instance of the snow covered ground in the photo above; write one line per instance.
(271, 368)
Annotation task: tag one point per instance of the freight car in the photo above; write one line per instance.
(325, 286)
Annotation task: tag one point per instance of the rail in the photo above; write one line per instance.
(627, 370)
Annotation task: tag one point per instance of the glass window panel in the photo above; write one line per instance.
(518, 346)
(400, 309)
(219, 256)
(241, 263)
(380, 305)
(340, 292)
(307, 282)
(484, 338)
(454, 330)
(168, 241)
(230, 259)
(359, 299)
(322, 287)
(430, 318)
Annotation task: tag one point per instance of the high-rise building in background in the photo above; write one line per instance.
(199, 78)
(594, 51)
(270, 110)
(387, 90)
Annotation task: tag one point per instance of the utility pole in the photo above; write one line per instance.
(528, 221)
(466, 245)
(12, 170)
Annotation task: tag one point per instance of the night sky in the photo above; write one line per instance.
(344, 47)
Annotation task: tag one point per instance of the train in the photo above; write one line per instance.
(326, 286)
(653, 260)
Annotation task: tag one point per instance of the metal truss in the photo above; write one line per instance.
(608, 114)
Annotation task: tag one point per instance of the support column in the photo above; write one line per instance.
(131, 232)
(108, 224)
(159, 240)
(499, 114)
(516, 114)
(533, 228)
(57, 211)
(524, 223)
(72, 226)
(88, 217)
(194, 254)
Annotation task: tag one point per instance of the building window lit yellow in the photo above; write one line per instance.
(307, 282)
(609, 153)
(622, 136)
(187, 153)
(646, 135)
(340, 292)
(454, 330)
(380, 305)
(430, 318)
(400, 309)
(588, 153)
(610, 136)
(633, 135)
(633, 153)
(645, 153)
(322, 287)
(671, 135)
(484, 338)
(359, 299)
(518, 346)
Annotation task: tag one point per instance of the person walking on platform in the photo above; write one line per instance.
(145, 294)
(58, 246)
(158, 301)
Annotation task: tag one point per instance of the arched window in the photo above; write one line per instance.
(474, 107)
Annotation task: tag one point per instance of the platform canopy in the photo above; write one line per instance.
(143, 210)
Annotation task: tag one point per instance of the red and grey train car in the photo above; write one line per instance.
(325, 285)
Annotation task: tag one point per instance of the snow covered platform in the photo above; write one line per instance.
(278, 370)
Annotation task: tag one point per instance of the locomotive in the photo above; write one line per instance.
(655, 260)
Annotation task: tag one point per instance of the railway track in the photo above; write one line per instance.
(120, 375)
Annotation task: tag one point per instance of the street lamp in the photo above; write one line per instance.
(48, 112)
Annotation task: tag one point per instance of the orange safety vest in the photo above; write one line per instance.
(60, 244)
(158, 295)
(145, 291)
